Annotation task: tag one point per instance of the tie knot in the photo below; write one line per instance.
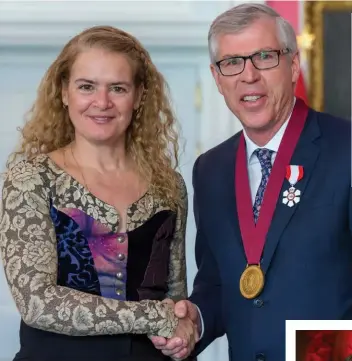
(264, 156)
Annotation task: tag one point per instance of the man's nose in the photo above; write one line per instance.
(250, 73)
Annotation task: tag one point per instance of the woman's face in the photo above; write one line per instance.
(101, 96)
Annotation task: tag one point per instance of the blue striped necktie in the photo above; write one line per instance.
(264, 156)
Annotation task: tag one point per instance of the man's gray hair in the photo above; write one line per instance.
(240, 17)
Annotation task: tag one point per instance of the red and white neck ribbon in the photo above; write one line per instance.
(294, 173)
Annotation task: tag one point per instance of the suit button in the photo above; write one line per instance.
(260, 357)
(258, 302)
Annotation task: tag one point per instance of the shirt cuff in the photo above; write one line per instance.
(201, 323)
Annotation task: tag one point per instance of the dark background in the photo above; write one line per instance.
(337, 63)
(301, 344)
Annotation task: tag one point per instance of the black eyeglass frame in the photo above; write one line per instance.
(284, 51)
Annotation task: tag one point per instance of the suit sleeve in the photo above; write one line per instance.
(207, 286)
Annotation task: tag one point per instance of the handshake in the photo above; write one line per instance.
(187, 332)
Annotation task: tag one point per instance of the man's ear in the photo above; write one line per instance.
(216, 76)
(296, 67)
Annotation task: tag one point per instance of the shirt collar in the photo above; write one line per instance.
(273, 144)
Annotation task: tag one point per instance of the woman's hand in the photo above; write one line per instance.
(186, 334)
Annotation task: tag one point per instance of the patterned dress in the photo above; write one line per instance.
(86, 291)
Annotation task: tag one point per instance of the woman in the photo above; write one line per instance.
(94, 215)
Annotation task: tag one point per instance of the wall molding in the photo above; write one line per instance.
(150, 34)
(39, 23)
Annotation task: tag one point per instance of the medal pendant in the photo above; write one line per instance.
(251, 281)
(291, 196)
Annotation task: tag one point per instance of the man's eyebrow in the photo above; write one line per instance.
(230, 56)
(227, 56)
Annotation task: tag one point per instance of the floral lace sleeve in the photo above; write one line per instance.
(177, 282)
(28, 249)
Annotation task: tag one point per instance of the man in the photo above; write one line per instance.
(276, 248)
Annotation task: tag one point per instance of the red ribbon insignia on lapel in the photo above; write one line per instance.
(292, 196)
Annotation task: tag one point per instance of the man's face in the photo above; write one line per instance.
(258, 98)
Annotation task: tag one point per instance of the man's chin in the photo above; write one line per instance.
(258, 123)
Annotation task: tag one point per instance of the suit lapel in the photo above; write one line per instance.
(228, 213)
(306, 155)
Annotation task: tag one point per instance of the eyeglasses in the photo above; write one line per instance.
(262, 60)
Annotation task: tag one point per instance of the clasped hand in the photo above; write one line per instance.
(186, 335)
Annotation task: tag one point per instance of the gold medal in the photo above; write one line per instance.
(252, 281)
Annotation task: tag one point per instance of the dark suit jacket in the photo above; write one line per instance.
(307, 257)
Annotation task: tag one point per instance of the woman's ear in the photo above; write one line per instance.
(139, 95)
(64, 94)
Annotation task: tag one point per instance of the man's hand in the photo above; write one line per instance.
(186, 334)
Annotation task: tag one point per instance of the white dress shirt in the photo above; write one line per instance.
(254, 167)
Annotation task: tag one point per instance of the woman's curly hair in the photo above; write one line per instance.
(151, 138)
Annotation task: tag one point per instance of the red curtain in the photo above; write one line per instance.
(290, 11)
